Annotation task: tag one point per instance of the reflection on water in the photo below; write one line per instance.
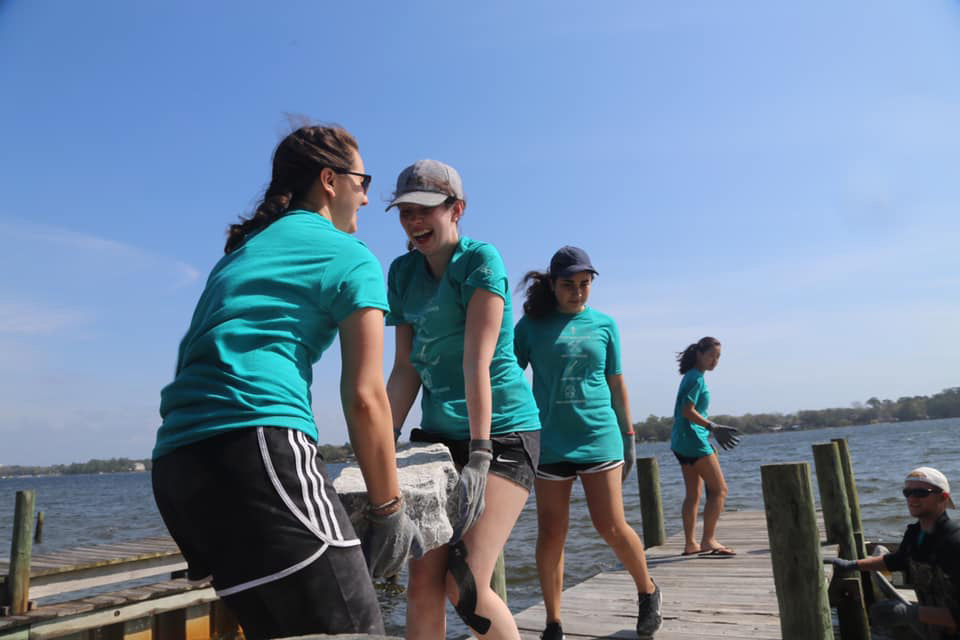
(95, 509)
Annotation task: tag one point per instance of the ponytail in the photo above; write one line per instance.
(688, 357)
(540, 299)
(297, 163)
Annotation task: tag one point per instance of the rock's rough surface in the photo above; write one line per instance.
(427, 478)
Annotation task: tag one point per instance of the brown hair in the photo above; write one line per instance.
(297, 162)
(688, 357)
(540, 299)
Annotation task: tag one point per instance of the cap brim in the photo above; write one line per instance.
(575, 268)
(423, 198)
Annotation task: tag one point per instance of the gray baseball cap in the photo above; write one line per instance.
(427, 183)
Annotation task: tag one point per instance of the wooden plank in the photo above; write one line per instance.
(224, 625)
(706, 598)
(54, 584)
(197, 622)
(171, 625)
(138, 629)
(49, 629)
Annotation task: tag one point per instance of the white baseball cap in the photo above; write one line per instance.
(932, 477)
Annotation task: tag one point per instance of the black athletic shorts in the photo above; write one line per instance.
(515, 455)
(253, 509)
(689, 460)
(570, 470)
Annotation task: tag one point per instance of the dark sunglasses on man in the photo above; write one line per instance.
(919, 492)
(364, 178)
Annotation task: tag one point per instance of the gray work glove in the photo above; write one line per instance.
(894, 613)
(841, 565)
(388, 541)
(629, 454)
(727, 437)
(470, 489)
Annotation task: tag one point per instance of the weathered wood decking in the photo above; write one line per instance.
(703, 597)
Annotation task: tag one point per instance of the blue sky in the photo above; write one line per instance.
(783, 177)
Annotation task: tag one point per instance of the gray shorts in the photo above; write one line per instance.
(515, 455)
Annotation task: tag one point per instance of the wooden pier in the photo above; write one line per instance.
(710, 597)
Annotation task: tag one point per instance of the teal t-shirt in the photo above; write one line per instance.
(437, 309)
(690, 439)
(268, 311)
(571, 356)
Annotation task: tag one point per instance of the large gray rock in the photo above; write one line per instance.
(427, 478)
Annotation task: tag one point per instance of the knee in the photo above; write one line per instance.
(551, 534)
(691, 498)
(719, 492)
(614, 534)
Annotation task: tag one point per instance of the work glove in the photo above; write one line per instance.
(841, 565)
(894, 613)
(471, 487)
(727, 437)
(629, 454)
(387, 542)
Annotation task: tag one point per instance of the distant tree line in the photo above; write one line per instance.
(330, 453)
(945, 404)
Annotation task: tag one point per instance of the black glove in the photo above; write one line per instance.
(727, 437)
(629, 454)
(388, 541)
(894, 613)
(841, 565)
(470, 489)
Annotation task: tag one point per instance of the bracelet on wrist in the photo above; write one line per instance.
(389, 507)
(629, 433)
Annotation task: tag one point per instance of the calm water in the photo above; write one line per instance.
(95, 509)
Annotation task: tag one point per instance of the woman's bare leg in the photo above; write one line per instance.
(691, 503)
(553, 521)
(708, 468)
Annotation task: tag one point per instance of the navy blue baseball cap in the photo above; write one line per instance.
(570, 260)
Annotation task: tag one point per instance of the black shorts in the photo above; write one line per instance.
(253, 509)
(689, 460)
(570, 470)
(515, 455)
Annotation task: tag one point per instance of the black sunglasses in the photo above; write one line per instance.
(364, 178)
(919, 493)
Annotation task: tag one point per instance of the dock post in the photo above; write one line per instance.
(795, 552)
(851, 484)
(21, 549)
(833, 498)
(38, 530)
(851, 614)
(498, 581)
(651, 506)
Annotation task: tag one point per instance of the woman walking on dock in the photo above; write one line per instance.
(587, 433)
(697, 457)
(450, 303)
(236, 473)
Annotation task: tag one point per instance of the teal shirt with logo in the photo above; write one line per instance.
(690, 439)
(571, 356)
(437, 309)
(269, 310)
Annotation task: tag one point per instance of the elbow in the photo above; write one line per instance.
(365, 404)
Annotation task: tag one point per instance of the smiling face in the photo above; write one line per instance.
(708, 360)
(431, 229)
(348, 197)
(572, 292)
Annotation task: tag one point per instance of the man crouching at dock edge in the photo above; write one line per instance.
(929, 554)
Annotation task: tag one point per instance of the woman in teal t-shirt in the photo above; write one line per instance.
(236, 475)
(697, 457)
(450, 303)
(587, 433)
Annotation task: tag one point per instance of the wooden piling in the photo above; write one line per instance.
(795, 552)
(852, 615)
(498, 581)
(38, 530)
(851, 485)
(651, 506)
(21, 548)
(833, 498)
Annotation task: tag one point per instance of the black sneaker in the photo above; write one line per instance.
(649, 616)
(553, 631)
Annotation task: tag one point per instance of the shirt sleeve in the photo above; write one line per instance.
(898, 560)
(485, 270)
(360, 286)
(614, 366)
(693, 392)
(521, 345)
